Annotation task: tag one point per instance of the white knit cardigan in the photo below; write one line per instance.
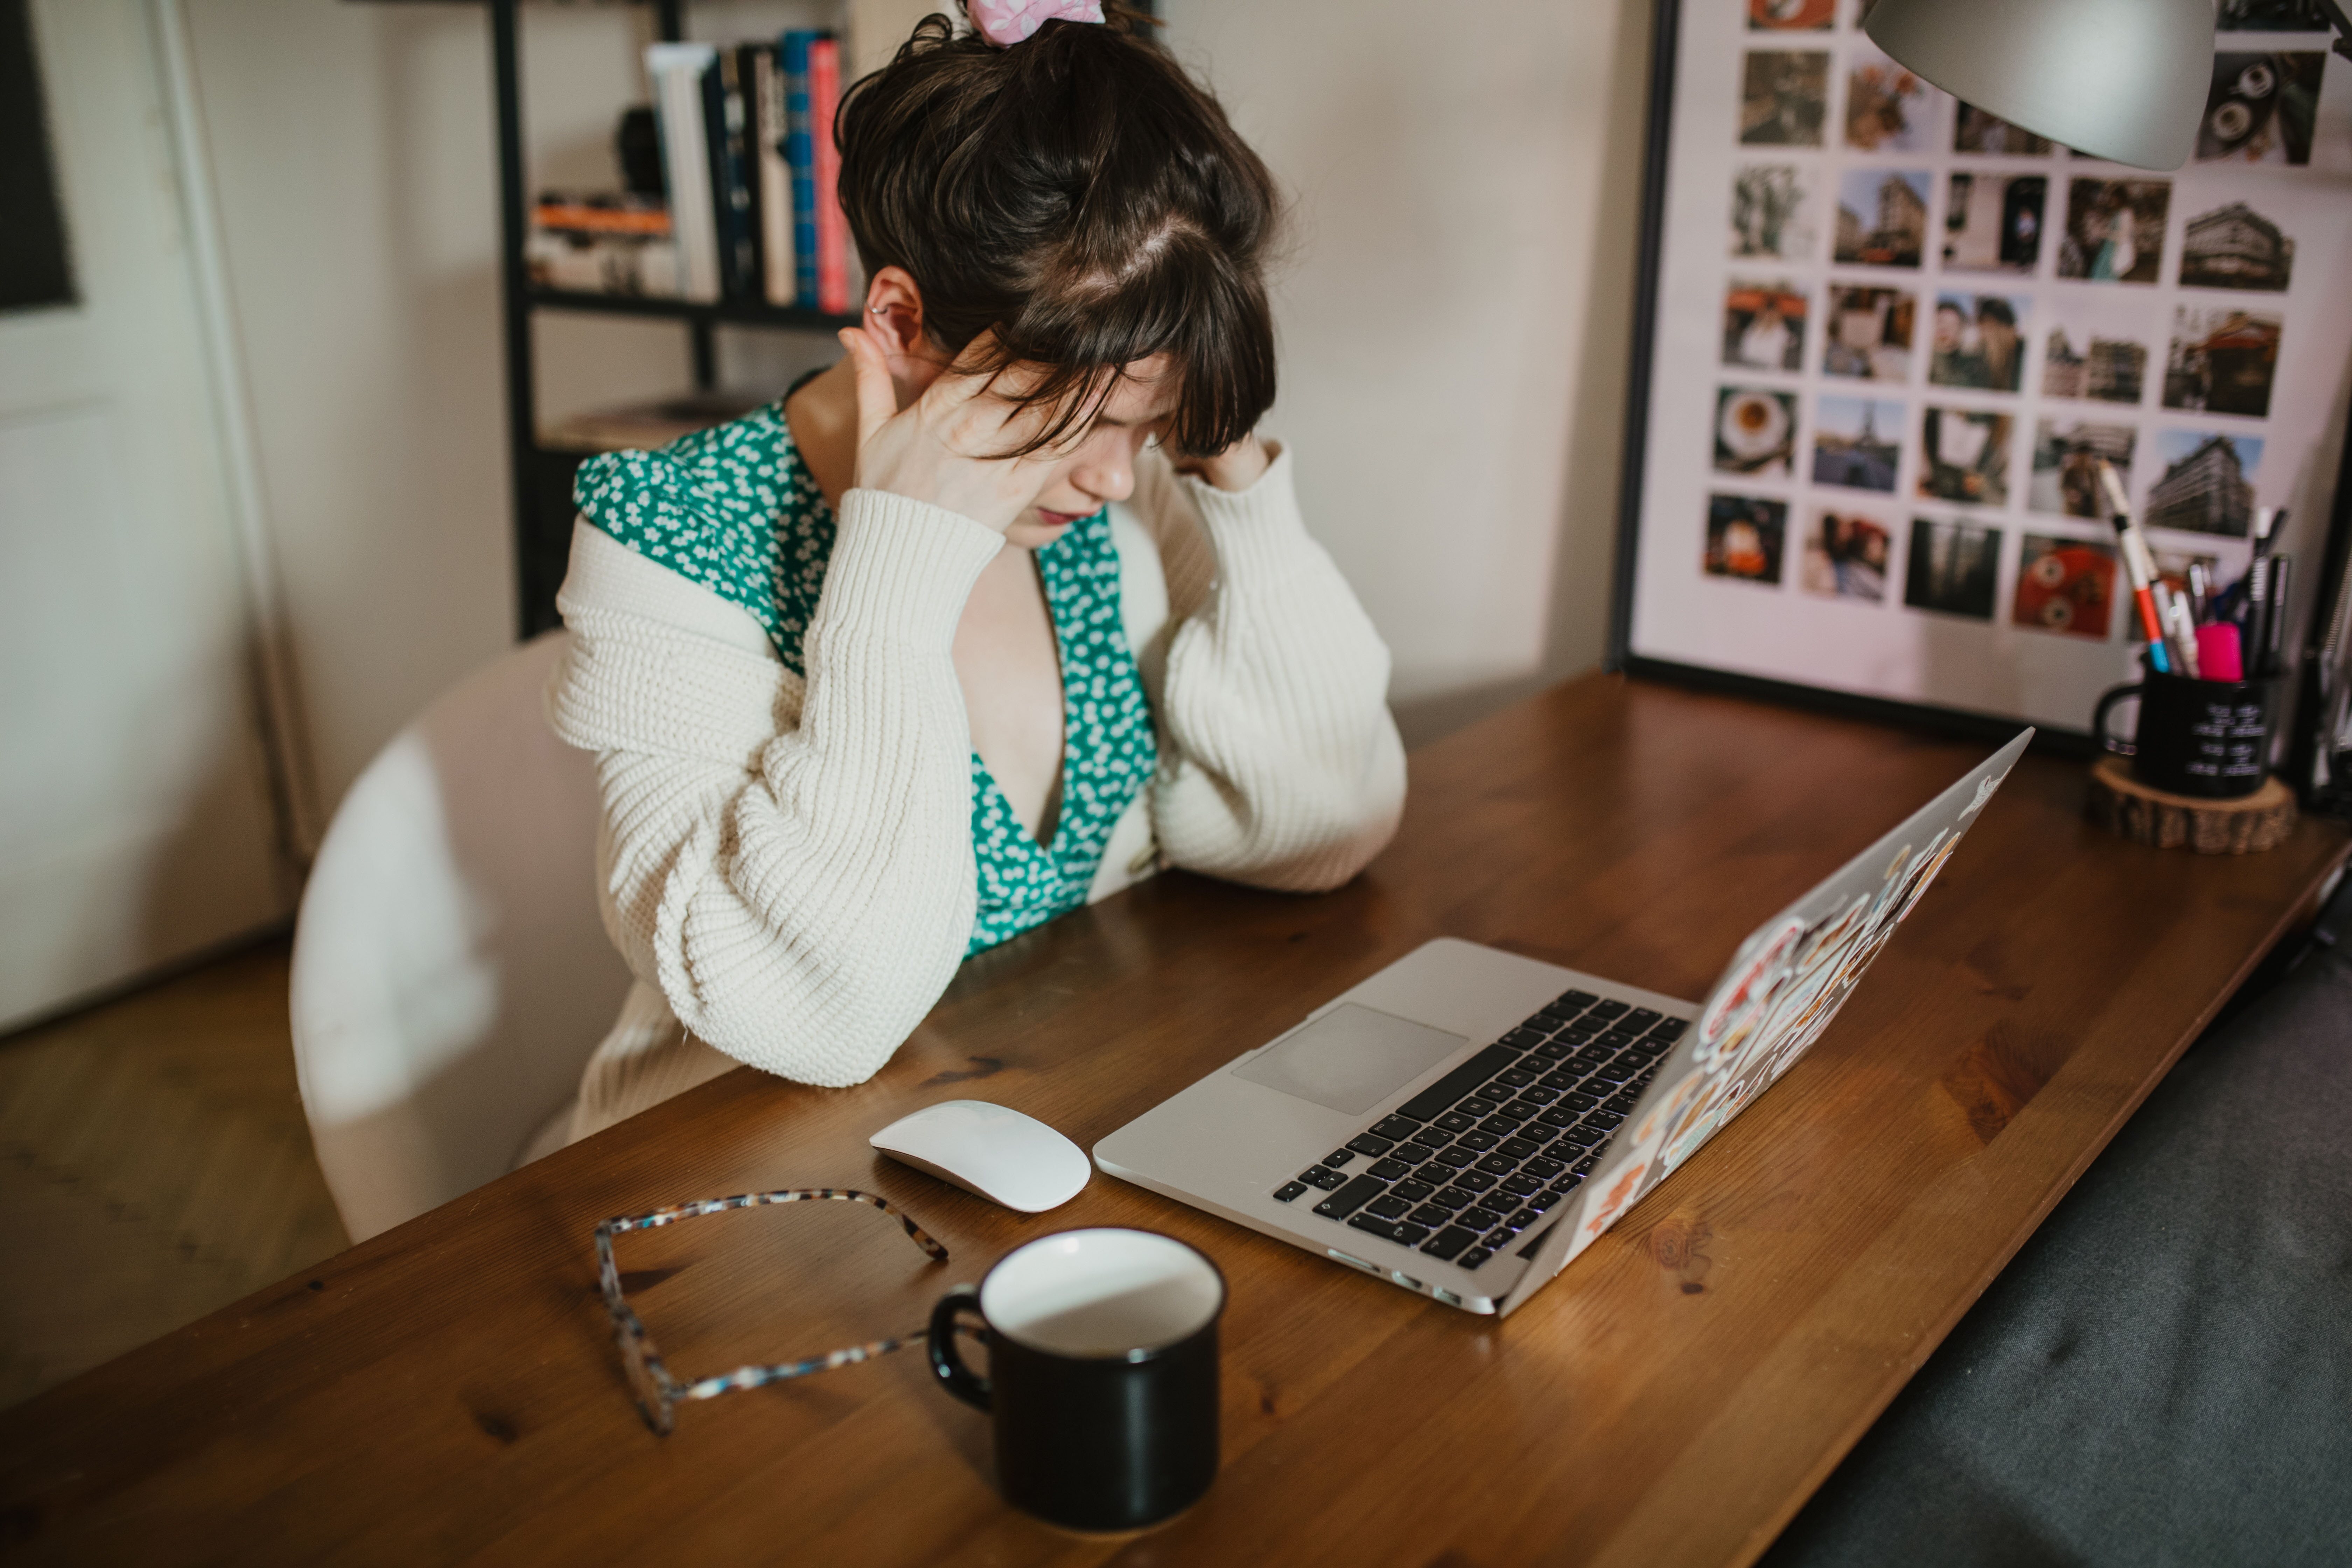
(786, 864)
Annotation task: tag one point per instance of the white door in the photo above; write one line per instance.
(136, 824)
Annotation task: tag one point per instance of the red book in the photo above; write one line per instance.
(832, 229)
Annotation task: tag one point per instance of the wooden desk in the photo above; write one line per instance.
(449, 1391)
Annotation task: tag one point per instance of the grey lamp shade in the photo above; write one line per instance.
(2121, 80)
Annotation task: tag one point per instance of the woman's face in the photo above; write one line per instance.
(1099, 467)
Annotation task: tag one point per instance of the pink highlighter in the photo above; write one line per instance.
(2219, 657)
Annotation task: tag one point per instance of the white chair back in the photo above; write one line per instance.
(451, 974)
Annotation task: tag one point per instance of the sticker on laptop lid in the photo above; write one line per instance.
(1779, 998)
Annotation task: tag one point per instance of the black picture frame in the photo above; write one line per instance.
(1657, 147)
(2332, 549)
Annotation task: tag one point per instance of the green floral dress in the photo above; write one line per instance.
(734, 510)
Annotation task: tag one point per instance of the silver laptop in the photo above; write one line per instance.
(1467, 1120)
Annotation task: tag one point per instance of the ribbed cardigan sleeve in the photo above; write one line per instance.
(1282, 766)
(800, 892)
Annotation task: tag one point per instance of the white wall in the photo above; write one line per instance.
(1453, 317)
(349, 146)
(1456, 320)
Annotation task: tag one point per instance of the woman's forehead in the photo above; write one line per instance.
(1146, 393)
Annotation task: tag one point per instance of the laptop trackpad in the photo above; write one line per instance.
(1350, 1059)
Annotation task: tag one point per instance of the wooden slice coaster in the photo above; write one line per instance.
(2247, 825)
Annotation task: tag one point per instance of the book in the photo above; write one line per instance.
(677, 71)
(723, 120)
(832, 228)
(641, 426)
(775, 185)
(589, 263)
(799, 152)
(600, 213)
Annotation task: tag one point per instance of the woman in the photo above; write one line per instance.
(991, 618)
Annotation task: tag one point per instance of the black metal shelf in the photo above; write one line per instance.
(541, 476)
(734, 313)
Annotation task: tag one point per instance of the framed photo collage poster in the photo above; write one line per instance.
(1892, 335)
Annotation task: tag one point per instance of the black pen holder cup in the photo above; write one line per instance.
(2207, 739)
(1102, 1374)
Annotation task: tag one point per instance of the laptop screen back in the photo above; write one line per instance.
(1781, 989)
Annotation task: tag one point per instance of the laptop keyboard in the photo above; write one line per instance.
(1462, 1167)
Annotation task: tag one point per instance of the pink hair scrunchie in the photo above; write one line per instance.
(1006, 23)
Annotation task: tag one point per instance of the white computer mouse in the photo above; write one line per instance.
(990, 1149)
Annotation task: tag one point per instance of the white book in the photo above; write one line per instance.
(769, 123)
(677, 70)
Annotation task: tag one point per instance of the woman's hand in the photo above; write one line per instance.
(1235, 469)
(944, 447)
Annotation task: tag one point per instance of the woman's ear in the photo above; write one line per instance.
(894, 316)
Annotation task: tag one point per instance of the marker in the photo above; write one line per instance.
(2271, 660)
(2256, 626)
(2217, 652)
(2182, 642)
(2138, 566)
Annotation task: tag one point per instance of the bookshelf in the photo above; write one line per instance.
(541, 476)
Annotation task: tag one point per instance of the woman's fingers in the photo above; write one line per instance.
(877, 399)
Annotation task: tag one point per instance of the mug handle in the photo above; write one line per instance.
(954, 1376)
(2099, 719)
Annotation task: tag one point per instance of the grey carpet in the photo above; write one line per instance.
(2163, 1375)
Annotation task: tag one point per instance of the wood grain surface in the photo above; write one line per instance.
(448, 1391)
(2250, 825)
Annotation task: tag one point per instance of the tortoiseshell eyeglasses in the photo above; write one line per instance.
(659, 1393)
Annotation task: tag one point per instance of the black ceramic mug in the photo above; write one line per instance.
(1102, 1374)
(2211, 739)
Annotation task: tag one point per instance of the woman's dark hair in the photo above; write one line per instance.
(1082, 195)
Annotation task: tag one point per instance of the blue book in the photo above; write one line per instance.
(799, 152)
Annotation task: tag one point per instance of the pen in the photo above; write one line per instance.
(2138, 566)
(2198, 599)
(2180, 640)
(2257, 621)
(2272, 659)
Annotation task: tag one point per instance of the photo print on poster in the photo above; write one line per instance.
(2234, 247)
(1792, 15)
(1980, 131)
(1784, 98)
(1857, 442)
(1745, 536)
(1964, 456)
(2221, 361)
(2261, 108)
(1869, 333)
(1755, 431)
(1764, 325)
(2115, 230)
(1978, 341)
(1846, 555)
(2271, 17)
(1772, 213)
(2066, 586)
(1954, 568)
(1992, 223)
(1887, 107)
(2066, 457)
(2205, 483)
(1882, 218)
(2097, 347)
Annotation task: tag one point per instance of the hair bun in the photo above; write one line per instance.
(1006, 23)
